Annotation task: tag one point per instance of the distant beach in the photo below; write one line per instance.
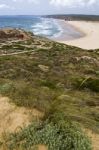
(89, 31)
(69, 31)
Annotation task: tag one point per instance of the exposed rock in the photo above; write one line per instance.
(2, 34)
(85, 58)
(64, 97)
(43, 68)
(15, 34)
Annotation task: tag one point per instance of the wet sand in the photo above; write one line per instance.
(89, 32)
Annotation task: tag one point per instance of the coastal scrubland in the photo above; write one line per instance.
(60, 81)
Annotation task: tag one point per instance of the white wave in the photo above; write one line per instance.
(60, 29)
(44, 32)
(47, 27)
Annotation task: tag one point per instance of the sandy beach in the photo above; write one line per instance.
(90, 31)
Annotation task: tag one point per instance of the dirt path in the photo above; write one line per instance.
(23, 52)
(13, 117)
(17, 53)
(42, 147)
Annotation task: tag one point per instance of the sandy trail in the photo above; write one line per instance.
(42, 147)
(16, 53)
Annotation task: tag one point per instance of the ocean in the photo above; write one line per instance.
(46, 27)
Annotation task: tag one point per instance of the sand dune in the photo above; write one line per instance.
(13, 117)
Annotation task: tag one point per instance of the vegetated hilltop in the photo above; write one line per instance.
(59, 80)
(75, 17)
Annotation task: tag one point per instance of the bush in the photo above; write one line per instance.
(90, 83)
(5, 88)
(62, 135)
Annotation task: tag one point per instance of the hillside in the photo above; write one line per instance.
(75, 17)
(61, 82)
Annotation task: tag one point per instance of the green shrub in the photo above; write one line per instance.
(49, 84)
(5, 88)
(63, 135)
(90, 83)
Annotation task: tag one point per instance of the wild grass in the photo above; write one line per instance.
(70, 86)
(27, 85)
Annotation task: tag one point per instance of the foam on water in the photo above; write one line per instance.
(47, 27)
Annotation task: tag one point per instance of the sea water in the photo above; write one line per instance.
(46, 27)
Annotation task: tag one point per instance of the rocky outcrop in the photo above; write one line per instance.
(15, 34)
(43, 68)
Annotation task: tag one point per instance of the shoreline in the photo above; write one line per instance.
(68, 31)
(89, 34)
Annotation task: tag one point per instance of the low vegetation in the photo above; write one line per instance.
(55, 133)
(62, 82)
